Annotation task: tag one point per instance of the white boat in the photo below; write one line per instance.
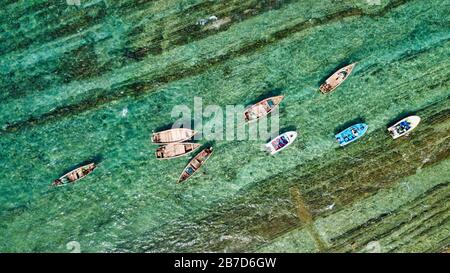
(404, 126)
(281, 142)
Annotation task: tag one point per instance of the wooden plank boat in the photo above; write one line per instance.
(195, 164)
(351, 134)
(404, 126)
(173, 135)
(281, 142)
(174, 150)
(74, 175)
(336, 79)
(262, 108)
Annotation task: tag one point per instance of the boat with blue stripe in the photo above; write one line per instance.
(351, 134)
(404, 126)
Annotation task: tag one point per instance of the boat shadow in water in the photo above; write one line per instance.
(330, 72)
(349, 123)
(287, 129)
(163, 128)
(95, 159)
(267, 94)
(171, 125)
(209, 143)
(282, 131)
(399, 117)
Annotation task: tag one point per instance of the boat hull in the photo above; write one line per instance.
(262, 108)
(195, 164)
(175, 150)
(399, 129)
(173, 135)
(336, 79)
(75, 175)
(351, 134)
(281, 142)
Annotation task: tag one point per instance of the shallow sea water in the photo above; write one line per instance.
(100, 78)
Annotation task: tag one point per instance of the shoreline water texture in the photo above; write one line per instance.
(91, 82)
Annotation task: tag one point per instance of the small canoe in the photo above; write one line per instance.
(281, 142)
(261, 108)
(173, 135)
(404, 126)
(336, 79)
(351, 134)
(174, 150)
(74, 175)
(195, 164)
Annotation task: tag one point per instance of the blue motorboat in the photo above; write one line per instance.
(351, 134)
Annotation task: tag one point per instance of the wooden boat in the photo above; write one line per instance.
(74, 175)
(336, 79)
(262, 108)
(351, 134)
(174, 150)
(404, 126)
(173, 135)
(195, 164)
(281, 142)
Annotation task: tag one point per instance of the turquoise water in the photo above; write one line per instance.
(92, 83)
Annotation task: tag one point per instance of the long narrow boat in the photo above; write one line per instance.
(336, 79)
(404, 126)
(74, 175)
(173, 135)
(351, 134)
(281, 142)
(195, 164)
(174, 150)
(262, 108)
